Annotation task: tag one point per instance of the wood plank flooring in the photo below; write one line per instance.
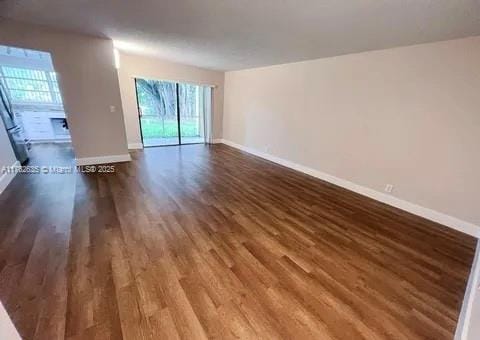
(206, 242)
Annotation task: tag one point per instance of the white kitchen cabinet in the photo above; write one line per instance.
(39, 126)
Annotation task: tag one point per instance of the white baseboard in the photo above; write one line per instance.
(103, 159)
(135, 146)
(472, 295)
(429, 214)
(217, 141)
(7, 177)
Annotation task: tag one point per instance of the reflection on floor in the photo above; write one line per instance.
(51, 154)
(201, 241)
(35, 221)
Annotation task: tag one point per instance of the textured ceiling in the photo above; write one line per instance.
(235, 34)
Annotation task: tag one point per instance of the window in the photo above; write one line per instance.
(173, 113)
(28, 86)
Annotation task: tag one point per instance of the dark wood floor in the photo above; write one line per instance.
(200, 242)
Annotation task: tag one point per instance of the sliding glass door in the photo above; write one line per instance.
(171, 113)
(192, 124)
(157, 108)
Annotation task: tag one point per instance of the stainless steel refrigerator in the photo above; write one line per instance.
(14, 127)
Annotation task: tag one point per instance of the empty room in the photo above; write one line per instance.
(228, 169)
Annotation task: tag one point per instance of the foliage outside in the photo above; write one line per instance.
(158, 105)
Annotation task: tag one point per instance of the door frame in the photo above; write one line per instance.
(177, 94)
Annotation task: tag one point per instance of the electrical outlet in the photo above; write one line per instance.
(112, 108)
(389, 188)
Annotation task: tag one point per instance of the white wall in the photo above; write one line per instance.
(473, 331)
(407, 116)
(15, 61)
(132, 66)
(472, 328)
(7, 329)
(468, 327)
(88, 81)
(7, 157)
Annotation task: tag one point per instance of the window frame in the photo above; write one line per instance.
(50, 79)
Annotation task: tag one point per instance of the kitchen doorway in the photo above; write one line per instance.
(172, 113)
(31, 105)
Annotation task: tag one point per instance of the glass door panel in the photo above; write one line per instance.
(157, 107)
(191, 104)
